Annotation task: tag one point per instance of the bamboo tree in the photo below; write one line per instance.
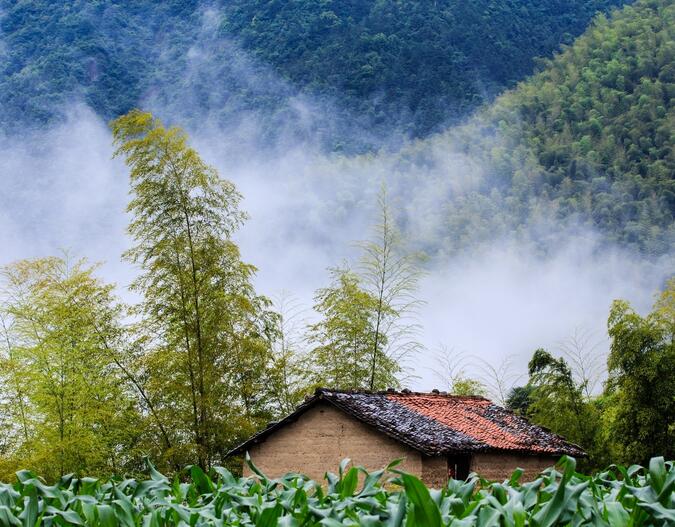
(8, 366)
(289, 361)
(344, 337)
(391, 275)
(206, 333)
(75, 409)
(641, 384)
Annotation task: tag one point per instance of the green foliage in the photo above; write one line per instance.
(468, 386)
(555, 400)
(588, 140)
(641, 385)
(64, 403)
(288, 379)
(97, 52)
(618, 496)
(519, 400)
(344, 339)
(205, 333)
(391, 63)
(368, 329)
(634, 418)
(391, 275)
(415, 64)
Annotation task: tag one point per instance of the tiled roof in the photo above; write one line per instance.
(435, 423)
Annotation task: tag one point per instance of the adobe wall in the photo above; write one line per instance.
(321, 438)
(498, 467)
(435, 471)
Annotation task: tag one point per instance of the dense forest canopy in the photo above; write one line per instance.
(416, 64)
(412, 65)
(586, 142)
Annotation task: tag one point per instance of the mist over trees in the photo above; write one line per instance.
(584, 143)
(634, 415)
(65, 405)
(201, 361)
(588, 140)
(405, 65)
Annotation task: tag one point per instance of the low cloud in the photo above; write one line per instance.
(61, 189)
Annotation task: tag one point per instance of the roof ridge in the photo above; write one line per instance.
(405, 391)
(431, 426)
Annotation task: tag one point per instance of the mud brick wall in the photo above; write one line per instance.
(498, 467)
(321, 438)
(434, 471)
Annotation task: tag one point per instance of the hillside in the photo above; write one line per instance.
(406, 64)
(590, 140)
(100, 53)
(416, 64)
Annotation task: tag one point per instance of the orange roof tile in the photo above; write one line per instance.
(435, 423)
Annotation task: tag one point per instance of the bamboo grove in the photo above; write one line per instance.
(89, 384)
(199, 360)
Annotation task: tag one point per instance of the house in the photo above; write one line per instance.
(437, 435)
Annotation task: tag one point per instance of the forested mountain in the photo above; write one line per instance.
(100, 52)
(415, 63)
(589, 140)
(412, 64)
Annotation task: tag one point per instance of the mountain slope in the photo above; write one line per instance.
(100, 53)
(416, 64)
(408, 64)
(590, 140)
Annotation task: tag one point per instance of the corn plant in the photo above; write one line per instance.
(619, 496)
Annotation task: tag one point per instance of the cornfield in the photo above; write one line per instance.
(618, 496)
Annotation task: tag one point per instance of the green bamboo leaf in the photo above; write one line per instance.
(70, 517)
(269, 516)
(515, 477)
(331, 522)
(201, 480)
(667, 494)
(253, 468)
(370, 481)
(488, 517)
(288, 521)
(398, 513)
(616, 515)
(106, 516)
(152, 519)
(660, 512)
(155, 475)
(394, 464)
(565, 497)
(343, 466)
(124, 512)
(29, 515)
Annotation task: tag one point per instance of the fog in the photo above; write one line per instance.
(503, 298)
